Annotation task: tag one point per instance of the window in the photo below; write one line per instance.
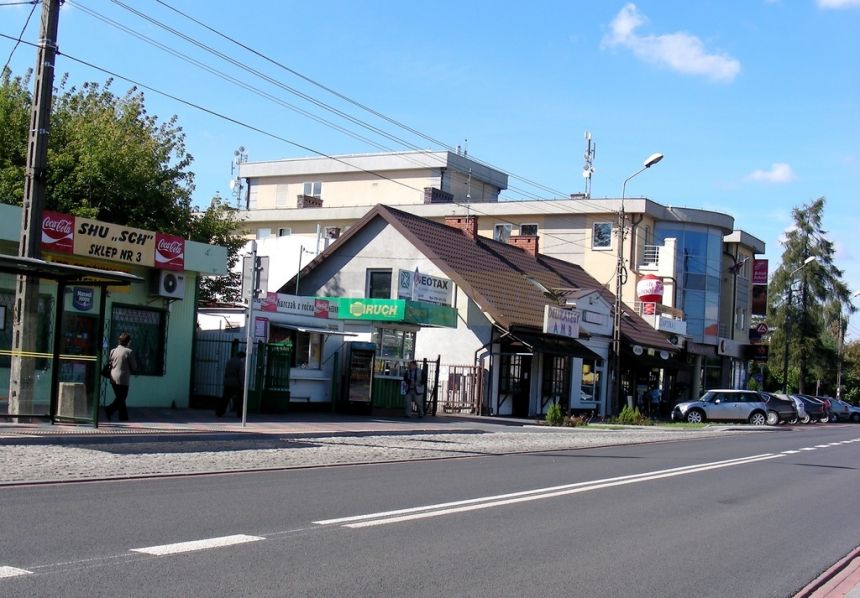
(601, 235)
(146, 327)
(378, 284)
(529, 229)
(313, 189)
(590, 384)
(392, 343)
(502, 232)
(262, 233)
(332, 232)
(307, 346)
(284, 232)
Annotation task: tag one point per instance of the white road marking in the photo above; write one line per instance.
(790, 452)
(383, 518)
(340, 520)
(821, 445)
(198, 545)
(807, 449)
(6, 571)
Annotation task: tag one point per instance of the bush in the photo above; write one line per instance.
(575, 420)
(554, 415)
(630, 416)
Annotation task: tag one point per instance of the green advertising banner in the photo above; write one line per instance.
(428, 314)
(381, 310)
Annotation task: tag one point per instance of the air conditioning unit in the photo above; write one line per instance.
(168, 284)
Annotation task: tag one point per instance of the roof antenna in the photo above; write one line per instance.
(238, 184)
(465, 148)
(588, 169)
(468, 191)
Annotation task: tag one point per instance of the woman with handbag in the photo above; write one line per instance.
(122, 363)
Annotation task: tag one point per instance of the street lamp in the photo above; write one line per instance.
(842, 325)
(806, 262)
(621, 275)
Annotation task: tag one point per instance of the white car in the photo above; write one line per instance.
(724, 405)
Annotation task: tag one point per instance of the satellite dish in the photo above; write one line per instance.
(232, 184)
(586, 173)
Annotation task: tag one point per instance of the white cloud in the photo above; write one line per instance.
(679, 51)
(779, 172)
(837, 4)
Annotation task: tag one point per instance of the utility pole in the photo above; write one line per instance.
(25, 312)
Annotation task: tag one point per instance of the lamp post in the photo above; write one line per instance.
(620, 276)
(806, 262)
(842, 324)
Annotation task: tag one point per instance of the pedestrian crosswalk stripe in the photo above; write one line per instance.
(6, 571)
(165, 549)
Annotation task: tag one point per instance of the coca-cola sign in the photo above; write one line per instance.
(169, 252)
(58, 232)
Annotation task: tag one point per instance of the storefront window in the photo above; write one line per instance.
(590, 385)
(147, 328)
(307, 346)
(392, 343)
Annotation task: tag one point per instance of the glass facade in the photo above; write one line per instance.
(698, 259)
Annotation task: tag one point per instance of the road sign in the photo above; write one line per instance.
(762, 329)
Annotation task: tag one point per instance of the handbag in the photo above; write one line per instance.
(106, 370)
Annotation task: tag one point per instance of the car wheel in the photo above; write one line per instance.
(824, 420)
(694, 416)
(793, 420)
(855, 417)
(834, 418)
(758, 419)
(805, 419)
(772, 418)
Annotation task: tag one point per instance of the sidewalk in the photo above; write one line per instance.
(155, 421)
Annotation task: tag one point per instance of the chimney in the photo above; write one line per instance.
(467, 224)
(528, 243)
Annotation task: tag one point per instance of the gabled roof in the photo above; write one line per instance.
(503, 280)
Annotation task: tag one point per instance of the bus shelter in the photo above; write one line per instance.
(58, 371)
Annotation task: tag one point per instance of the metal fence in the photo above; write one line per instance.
(461, 387)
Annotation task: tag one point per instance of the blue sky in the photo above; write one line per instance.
(755, 103)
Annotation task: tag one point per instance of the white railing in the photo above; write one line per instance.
(650, 257)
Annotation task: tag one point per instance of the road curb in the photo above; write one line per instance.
(846, 572)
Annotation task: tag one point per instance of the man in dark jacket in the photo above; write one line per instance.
(413, 385)
(234, 385)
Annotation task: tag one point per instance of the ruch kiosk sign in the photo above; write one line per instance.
(63, 233)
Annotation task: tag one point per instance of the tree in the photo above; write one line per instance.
(217, 225)
(110, 160)
(806, 299)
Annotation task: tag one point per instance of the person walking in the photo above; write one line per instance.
(234, 385)
(122, 365)
(414, 381)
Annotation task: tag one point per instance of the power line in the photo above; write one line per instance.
(20, 35)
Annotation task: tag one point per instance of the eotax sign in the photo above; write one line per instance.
(63, 233)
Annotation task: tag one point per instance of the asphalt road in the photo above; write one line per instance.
(750, 515)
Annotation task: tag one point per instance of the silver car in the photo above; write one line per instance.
(723, 405)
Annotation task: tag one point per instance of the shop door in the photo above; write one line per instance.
(78, 386)
(555, 382)
(515, 383)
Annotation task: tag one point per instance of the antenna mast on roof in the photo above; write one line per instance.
(468, 191)
(237, 184)
(588, 169)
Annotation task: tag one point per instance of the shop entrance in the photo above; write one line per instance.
(515, 383)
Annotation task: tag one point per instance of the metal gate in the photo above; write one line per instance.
(460, 388)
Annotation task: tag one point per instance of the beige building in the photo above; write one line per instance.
(703, 263)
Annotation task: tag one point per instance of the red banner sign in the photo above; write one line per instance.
(169, 252)
(759, 273)
(58, 232)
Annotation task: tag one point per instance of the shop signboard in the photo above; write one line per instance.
(427, 314)
(380, 310)
(293, 305)
(759, 273)
(85, 237)
(561, 322)
(418, 286)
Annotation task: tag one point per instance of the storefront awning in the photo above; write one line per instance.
(310, 329)
(547, 343)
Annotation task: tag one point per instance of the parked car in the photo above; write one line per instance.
(853, 413)
(724, 405)
(814, 409)
(825, 402)
(839, 411)
(780, 408)
(802, 416)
